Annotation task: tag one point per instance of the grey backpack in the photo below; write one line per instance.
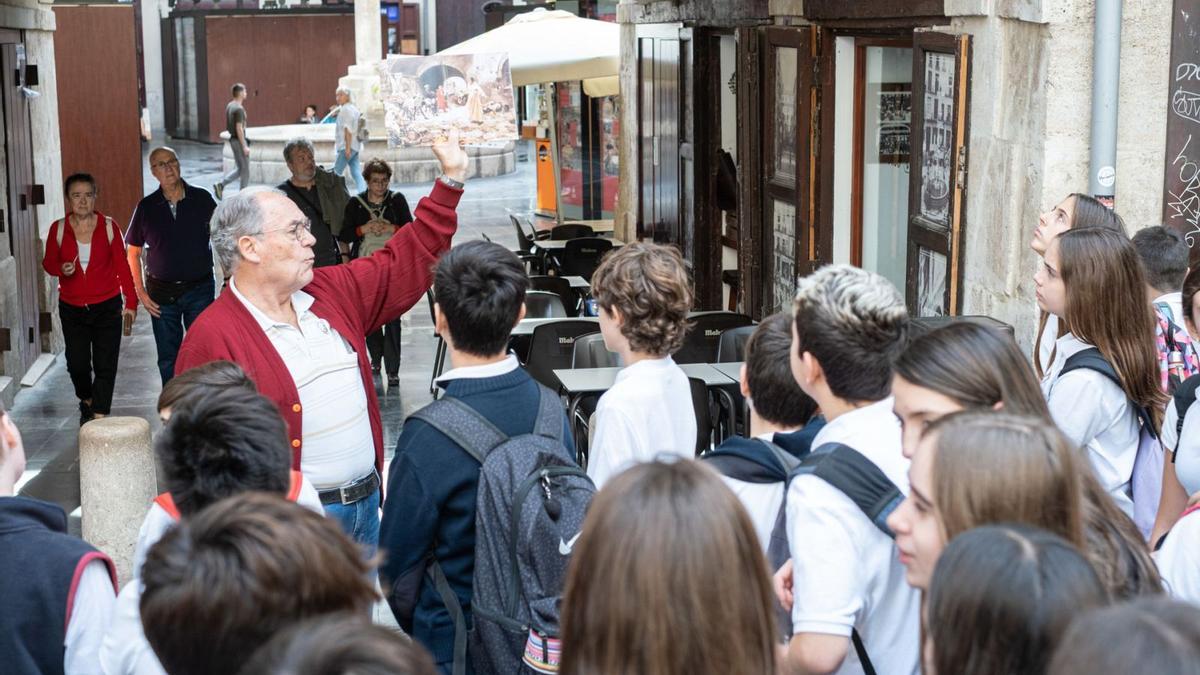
(529, 510)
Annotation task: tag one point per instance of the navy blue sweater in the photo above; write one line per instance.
(430, 507)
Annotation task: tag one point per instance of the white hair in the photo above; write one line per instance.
(238, 216)
(346, 91)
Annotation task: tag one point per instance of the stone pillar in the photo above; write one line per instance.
(116, 485)
(368, 45)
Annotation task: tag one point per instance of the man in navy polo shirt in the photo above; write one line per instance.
(172, 222)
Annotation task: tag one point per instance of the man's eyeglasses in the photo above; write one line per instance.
(81, 196)
(297, 229)
(165, 163)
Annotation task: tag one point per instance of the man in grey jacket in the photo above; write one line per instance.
(321, 196)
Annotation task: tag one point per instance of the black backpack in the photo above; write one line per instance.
(867, 486)
(529, 510)
(746, 470)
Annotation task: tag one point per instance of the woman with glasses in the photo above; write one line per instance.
(371, 218)
(86, 251)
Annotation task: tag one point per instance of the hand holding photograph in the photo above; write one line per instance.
(425, 97)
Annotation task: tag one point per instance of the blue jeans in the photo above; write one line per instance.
(340, 164)
(360, 520)
(174, 319)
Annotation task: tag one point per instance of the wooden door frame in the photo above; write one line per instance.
(706, 120)
(861, 43)
(958, 46)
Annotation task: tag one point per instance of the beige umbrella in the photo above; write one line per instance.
(554, 46)
(545, 47)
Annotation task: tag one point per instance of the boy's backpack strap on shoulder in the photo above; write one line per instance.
(858, 478)
(550, 415)
(789, 461)
(462, 424)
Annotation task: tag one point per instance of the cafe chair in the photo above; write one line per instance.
(558, 286)
(581, 257)
(552, 347)
(571, 231)
(543, 305)
(700, 343)
(731, 348)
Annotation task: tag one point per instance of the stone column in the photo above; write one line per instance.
(368, 44)
(116, 485)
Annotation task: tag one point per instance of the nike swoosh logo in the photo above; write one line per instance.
(564, 547)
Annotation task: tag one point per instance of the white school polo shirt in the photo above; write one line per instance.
(1095, 414)
(761, 500)
(847, 573)
(647, 412)
(1179, 559)
(338, 446)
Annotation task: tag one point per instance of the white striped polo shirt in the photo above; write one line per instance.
(338, 445)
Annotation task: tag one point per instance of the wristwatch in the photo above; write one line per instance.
(450, 182)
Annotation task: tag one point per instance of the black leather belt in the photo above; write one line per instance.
(354, 492)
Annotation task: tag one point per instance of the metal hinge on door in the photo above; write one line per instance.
(961, 177)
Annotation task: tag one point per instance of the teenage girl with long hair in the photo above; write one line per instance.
(1092, 279)
(1075, 211)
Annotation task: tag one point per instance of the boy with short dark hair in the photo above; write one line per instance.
(850, 326)
(644, 296)
(57, 590)
(1164, 257)
(781, 415)
(220, 584)
(218, 442)
(479, 294)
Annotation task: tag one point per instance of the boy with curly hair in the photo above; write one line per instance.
(644, 295)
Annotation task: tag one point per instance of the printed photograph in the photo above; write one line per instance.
(426, 97)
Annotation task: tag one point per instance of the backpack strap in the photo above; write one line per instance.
(740, 467)
(450, 600)
(1184, 397)
(461, 423)
(858, 478)
(868, 487)
(550, 415)
(1092, 359)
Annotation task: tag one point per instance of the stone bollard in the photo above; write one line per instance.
(116, 485)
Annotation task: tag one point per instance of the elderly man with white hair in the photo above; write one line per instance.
(301, 333)
(345, 139)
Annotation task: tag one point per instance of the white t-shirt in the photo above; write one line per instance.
(347, 118)
(338, 446)
(761, 500)
(90, 612)
(85, 255)
(1179, 559)
(125, 650)
(847, 574)
(1094, 412)
(647, 412)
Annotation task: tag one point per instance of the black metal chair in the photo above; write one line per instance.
(524, 242)
(731, 348)
(700, 343)
(590, 352)
(552, 347)
(439, 354)
(571, 231)
(701, 405)
(534, 262)
(581, 257)
(560, 287)
(543, 305)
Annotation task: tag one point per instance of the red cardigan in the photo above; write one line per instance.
(355, 298)
(108, 269)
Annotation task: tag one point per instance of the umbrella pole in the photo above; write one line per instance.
(552, 90)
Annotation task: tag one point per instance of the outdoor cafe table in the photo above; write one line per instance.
(578, 382)
(600, 227)
(551, 245)
(731, 370)
(578, 283)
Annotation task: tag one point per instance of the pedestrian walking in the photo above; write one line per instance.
(86, 251)
(177, 285)
(239, 147)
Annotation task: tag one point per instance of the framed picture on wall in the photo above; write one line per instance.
(783, 163)
(895, 122)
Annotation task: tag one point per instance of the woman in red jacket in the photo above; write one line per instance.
(86, 251)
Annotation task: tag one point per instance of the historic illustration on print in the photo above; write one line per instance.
(425, 97)
(937, 140)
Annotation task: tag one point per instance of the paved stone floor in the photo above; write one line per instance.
(47, 413)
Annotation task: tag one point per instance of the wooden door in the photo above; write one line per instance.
(937, 188)
(660, 97)
(18, 138)
(781, 228)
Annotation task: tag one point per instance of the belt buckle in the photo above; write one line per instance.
(343, 494)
